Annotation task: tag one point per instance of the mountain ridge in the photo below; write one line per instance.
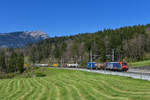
(21, 38)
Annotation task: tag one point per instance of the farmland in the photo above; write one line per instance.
(60, 84)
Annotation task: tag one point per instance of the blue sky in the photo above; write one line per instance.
(69, 17)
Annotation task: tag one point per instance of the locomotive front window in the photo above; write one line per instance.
(124, 64)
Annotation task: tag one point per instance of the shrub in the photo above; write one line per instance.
(6, 76)
(39, 74)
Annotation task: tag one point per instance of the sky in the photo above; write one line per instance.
(70, 17)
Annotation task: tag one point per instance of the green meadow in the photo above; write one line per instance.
(60, 84)
(140, 63)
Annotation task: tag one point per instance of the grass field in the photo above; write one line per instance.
(140, 63)
(62, 84)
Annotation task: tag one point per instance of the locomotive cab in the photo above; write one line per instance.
(124, 66)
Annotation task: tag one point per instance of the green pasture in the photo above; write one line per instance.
(140, 63)
(62, 84)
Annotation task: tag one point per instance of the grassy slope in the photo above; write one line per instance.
(74, 85)
(140, 63)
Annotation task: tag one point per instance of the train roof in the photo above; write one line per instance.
(116, 62)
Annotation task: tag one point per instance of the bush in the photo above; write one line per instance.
(28, 73)
(34, 72)
(39, 74)
(7, 76)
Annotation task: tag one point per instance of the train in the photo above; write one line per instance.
(72, 65)
(119, 66)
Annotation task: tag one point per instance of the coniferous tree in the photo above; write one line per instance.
(20, 62)
(12, 63)
(2, 62)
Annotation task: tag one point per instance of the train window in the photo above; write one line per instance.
(124, 64)
(117, 65)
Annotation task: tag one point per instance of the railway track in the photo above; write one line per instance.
(132, 74)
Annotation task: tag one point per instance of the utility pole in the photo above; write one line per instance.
(80, 59)
(113, 55)
(76, 59)
(61, 60)
(91, 58)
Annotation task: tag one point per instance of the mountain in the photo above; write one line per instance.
(20, 39)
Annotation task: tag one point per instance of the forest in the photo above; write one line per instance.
(11, 60)
(130, 43)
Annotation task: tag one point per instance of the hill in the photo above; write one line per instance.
(20, 39)
(131, 43)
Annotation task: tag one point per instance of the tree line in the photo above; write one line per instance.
(11, 61)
